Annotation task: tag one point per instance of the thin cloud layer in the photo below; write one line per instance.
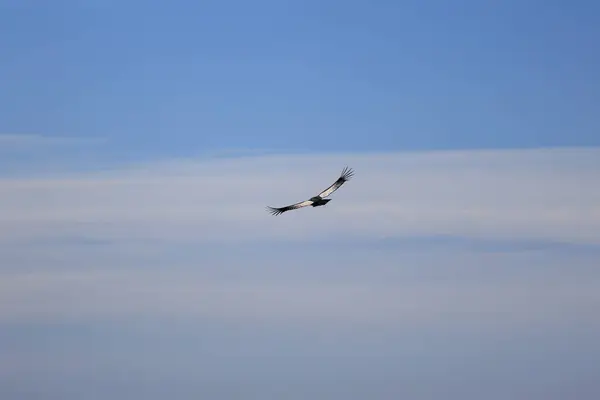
(26, 141)
(91, 294)
(549, 194)
(172, 275)
(192, 237)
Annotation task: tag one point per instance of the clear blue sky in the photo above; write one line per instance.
(163, 79)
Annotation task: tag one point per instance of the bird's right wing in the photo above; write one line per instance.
(277, 211)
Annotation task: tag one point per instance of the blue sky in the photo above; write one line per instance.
(159, 80)
(460, 262)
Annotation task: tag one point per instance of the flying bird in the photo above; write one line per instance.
(318, 200)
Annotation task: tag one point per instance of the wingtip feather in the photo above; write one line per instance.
(347, 173)
(273, 210)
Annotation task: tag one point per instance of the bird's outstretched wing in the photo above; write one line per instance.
(345, 176)
(277, 211)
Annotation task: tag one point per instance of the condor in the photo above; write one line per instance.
(318, 200)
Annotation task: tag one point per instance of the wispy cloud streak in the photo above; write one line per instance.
(26, 141)
(543, 194)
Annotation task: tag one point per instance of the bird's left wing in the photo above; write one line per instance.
(277, 211)
(346, 174)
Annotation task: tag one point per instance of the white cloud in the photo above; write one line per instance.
(116, 240)
(174, 270)
(544, 194)
(26, 141)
